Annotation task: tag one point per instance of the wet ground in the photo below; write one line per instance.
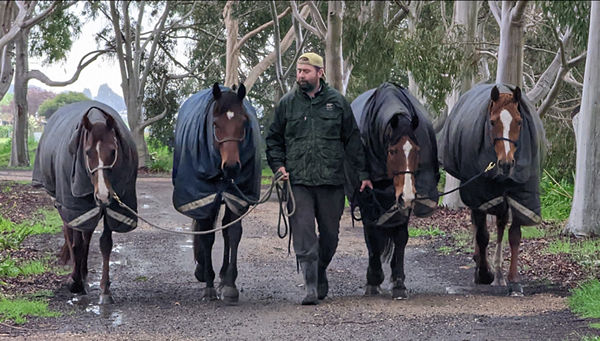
(158, 298)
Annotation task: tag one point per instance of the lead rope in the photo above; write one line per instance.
(276, 180)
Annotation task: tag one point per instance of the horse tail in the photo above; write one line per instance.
(388, 249)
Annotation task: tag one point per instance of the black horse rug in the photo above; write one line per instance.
(466, 149)
(373, 111)
(61, 169)
(199, 185)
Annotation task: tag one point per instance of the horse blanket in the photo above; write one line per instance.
(467, 148)
(373, 111)
(199, 186)
(60, 168)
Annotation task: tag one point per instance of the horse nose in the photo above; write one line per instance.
(505, 166)
(102, 198)
(231, 170)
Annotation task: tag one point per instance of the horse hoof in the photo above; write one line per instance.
(106, 299)
(76, 287)
(372, 290)
(310, 299)
(515, 289)
(399, 293)
(483, 276)
(322, 290)
(230, 295)
(209, 294)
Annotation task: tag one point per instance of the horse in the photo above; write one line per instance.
(401, 151)
(496, 123)
(85, 156)
(216, 162)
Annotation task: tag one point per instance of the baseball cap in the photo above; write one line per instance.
(311, 58)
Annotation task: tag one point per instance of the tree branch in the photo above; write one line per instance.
(255, 31)
(303, 22)
(40, 76)
(495, 11)
(152, 54)
(518, 10)
(277, 39)
(157, 118)
(581, 58)
(317, 18)
(547, 103)
(399, 16)
(114, 17)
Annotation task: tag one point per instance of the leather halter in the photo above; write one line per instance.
(506, 139)
(229, 138)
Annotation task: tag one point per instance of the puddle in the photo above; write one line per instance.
(114, 316)
(145, 206)
(477, 289)
(114, 262)
(117, 248)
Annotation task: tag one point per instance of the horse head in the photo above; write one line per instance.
(229, 127)
(402, 156)
(101, 154)
(505, 120)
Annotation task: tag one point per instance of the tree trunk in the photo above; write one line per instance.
(413, 17)
(333, 46)
(19, 156)
(465, 14)
(510, 51)
(232, 54)
(584, 219)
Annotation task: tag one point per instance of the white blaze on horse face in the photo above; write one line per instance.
(407, 190)
(102, 194)
(230, 115)
(506, 119)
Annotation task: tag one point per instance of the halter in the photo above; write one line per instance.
(506, 139)
(403, 172)
(229, 138)
(92, 171)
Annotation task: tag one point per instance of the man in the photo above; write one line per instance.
(312, 132)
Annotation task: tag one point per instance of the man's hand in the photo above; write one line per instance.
(366, 183)
(286, 175)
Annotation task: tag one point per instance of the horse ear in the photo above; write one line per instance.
(86, 122)
(110, 122)
(241, 93)
(414, 122)
(495, 93)
(394, 122)
(517, 95)
(216, 91)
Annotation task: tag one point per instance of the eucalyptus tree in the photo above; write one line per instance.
(584, 219)
(52, 39)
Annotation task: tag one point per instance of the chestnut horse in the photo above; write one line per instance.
(85, 156)
(495, 123)
(225, 170)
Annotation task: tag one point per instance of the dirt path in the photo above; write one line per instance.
(157, 296)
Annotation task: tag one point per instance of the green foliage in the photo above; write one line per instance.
(5, 133)
(48, 107)
(53, 37)
(561, 154)
(17, 310)
(556, 198)
(445, 250)
(5, 150)
(570, 13)
(585, 299)
(6, 99)
(161, 132)
(585, 252)
(161, 157)
(11, 234)
(10, 268)
(51, 222)
(430, 231)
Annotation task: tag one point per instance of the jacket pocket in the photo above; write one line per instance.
(329, 123)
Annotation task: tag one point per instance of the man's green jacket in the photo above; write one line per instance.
(312, 136)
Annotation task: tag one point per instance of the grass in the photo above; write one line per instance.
(266, 176)
(556, 198)
(161, 158)
(17, 310)
(12, 235)
(5, 149)
(585, 252)
(9, 268)
(445, 250)
(430, 231)
(585, 300)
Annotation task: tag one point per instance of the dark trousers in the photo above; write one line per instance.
(324, 204)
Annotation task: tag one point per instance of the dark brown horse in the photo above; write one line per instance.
(402, 154)
(487, 125)
(85, 156)
(225, 171)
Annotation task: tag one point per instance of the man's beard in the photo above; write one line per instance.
(306, 86)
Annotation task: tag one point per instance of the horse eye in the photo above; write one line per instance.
(493, 122)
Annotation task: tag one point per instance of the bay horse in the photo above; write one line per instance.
(85, 156)
(496, 123)
(402, 155)
(216, 162)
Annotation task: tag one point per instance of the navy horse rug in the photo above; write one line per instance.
(374, 111)
(467, 147)
(199, 183)
(62, 168)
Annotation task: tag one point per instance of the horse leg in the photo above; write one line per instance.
(226, 254)
(483, 275)
(202, 253)
(76, 283)
(375, 241)
(229, 293)
(66, 252)
(514, 239)
(400, 238)
(87, 238)
(501, 220)
(106, 244)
